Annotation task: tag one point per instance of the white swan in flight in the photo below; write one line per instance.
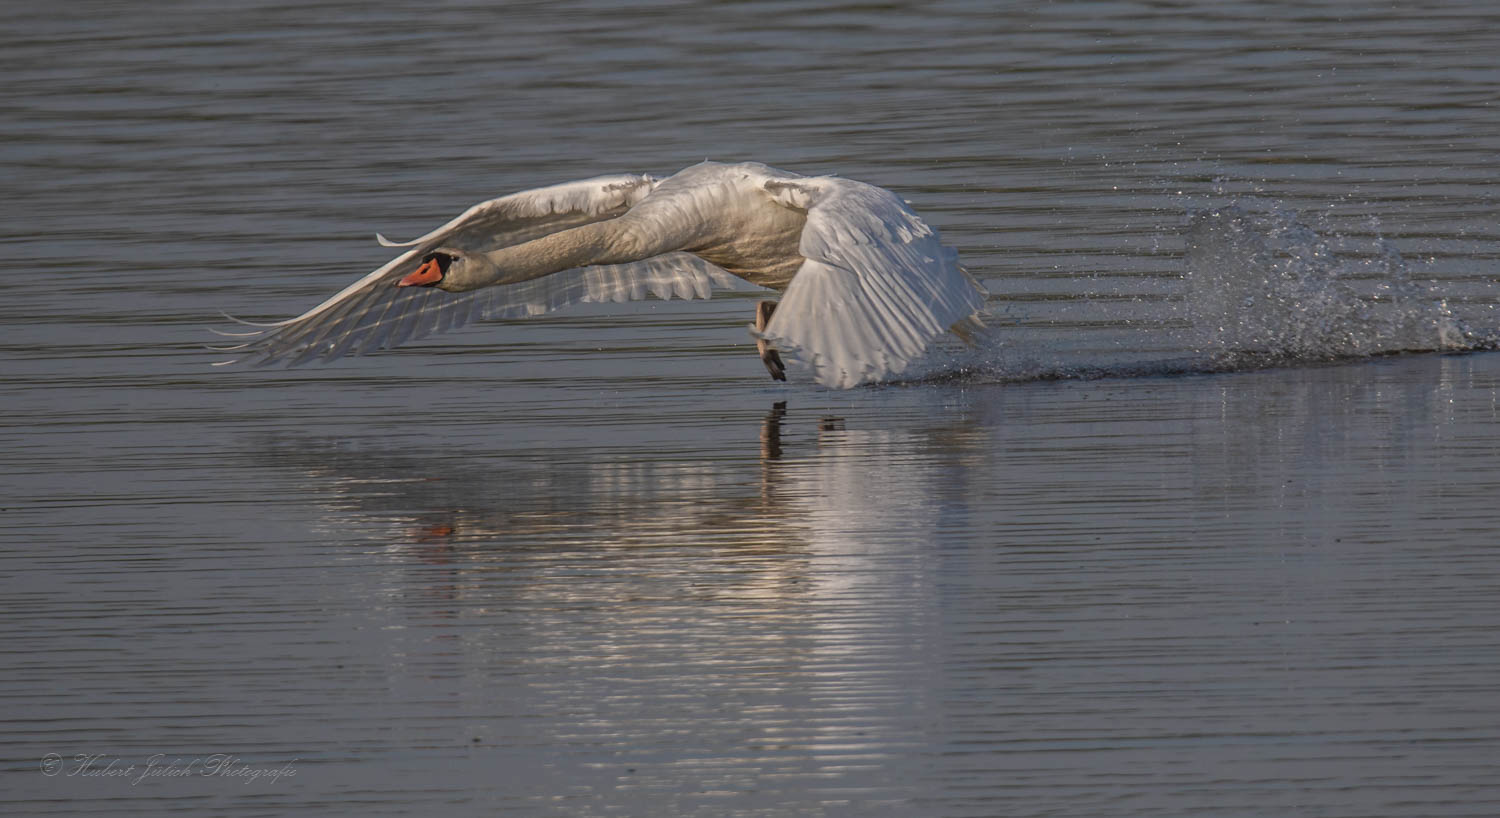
(866, 285)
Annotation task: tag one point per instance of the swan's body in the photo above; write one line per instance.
(866, 284)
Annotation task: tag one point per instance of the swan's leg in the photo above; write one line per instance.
(965, 328)
(768, 356)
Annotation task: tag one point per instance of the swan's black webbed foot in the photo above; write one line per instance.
(768, 355)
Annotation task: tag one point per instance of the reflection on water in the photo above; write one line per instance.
(1213, 593)
(1016, 589)
(631, 599)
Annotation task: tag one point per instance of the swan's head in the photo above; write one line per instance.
(451, 269)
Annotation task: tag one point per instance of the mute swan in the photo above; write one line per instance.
(866, 285)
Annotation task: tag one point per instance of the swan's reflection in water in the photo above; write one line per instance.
(748, 617)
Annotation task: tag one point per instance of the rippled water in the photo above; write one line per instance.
(1205, 527)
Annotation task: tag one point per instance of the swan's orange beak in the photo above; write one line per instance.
(427, 275)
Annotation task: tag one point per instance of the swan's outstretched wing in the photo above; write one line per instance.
(877, 286)
(372, 313)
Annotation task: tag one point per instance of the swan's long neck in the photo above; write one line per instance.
(615, 241)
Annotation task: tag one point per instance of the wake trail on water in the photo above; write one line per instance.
(1259, 288)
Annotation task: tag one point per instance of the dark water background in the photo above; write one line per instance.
(598, 564)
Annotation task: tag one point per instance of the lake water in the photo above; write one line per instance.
(1207, 525)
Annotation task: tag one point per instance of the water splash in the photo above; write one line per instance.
(1262, 285)
(1259, 288)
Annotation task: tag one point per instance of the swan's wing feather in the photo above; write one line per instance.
(372, 313)
(388, 317)
(672, 274)
(381, 240)
(877, 286)
(531, 214)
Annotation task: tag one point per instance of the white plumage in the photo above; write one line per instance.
(867, 285)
